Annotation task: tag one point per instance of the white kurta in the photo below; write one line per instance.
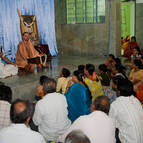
(51, 116)
(97, 126)
(20, 133)
(127, 113)
(7, 70)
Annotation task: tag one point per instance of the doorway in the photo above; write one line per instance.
(128, 18)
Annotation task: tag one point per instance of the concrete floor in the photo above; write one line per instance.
(25, 87)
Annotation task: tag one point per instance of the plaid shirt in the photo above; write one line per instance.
(4, 114)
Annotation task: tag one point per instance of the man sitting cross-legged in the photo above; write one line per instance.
(25, 50)
(51, 114)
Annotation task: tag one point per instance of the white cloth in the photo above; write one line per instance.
(98, 127)
(127, 113)
(51, 116)
(4, 114)
(19, 133)
(7, 70)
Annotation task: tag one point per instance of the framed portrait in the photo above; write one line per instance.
(28, 24)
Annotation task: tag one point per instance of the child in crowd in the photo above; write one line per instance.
(70, 82)
(39, 91)
(110, 61)
(105, 75)
(63, 81)
(136, 54)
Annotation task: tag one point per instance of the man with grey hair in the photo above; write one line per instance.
(76, 136)
(51, 114)
(98, 126)
(18, 131)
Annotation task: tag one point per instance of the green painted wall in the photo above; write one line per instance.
(128, 18)
(139, 24)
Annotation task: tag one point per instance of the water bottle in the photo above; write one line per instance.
(35, 69)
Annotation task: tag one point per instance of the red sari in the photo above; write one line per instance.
(129, 51)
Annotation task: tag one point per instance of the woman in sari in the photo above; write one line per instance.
(93, 81)
(78, 97)
(129, 50)
(117, 71)
(136, 77)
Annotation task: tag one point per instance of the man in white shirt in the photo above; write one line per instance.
(127, 112)
(18, 132)
(51, 114)
(97, 126)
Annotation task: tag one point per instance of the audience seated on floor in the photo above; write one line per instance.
(136, 77)
(92, 80)
(127, 112)
(78, 97)
(76, 136)
(97, 126)
(63, 81)
(5, 103)
(51, 114)
(39, 90)
(18, 132)
(83, 94)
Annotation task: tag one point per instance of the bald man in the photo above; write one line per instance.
(98, 126)
(18, 132)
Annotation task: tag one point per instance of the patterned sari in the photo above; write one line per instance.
(95, 87)
(137, 78)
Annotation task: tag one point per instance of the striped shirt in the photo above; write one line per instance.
(127, 113)
(4, 114)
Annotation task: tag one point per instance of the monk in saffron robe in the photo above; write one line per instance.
(25, 50)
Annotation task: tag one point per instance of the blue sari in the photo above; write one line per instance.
(78, 100)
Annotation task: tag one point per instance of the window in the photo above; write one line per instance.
(85, 11)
